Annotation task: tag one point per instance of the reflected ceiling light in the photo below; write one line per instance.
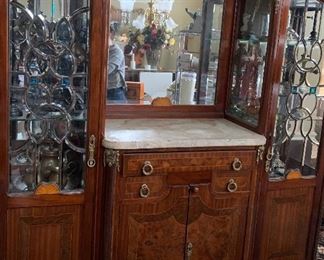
(170, 24)
(139, 22)
(126, 5)
(164, 6)
(157, 12)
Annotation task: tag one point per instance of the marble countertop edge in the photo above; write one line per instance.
(130, 134)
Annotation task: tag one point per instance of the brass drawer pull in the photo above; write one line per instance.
(144, 191)
(147, 168)
(237, 164)
(232, 186)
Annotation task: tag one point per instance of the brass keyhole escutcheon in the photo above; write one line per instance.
(92, 145)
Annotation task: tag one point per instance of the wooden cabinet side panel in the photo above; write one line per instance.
(286, 224)
(39, 233)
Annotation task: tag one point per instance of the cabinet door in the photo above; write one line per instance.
(216, 223)
(46, 191)
(291, 192)
(151, 227)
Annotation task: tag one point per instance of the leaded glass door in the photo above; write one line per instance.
(50, 92)
(300, 107)
(292, 185)
(49, 53)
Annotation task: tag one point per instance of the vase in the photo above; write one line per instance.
(153, 58)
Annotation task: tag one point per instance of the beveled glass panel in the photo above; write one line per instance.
(249, 61)
(300, 103)
(49, 49)
(164, 48)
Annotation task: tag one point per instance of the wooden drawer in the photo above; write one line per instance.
(130, 187)
(164, 163)
(227, 183)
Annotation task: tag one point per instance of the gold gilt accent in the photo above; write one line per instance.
(189, 248)
(111, 158)
(260, 154)
(269, 158)
(92, 146)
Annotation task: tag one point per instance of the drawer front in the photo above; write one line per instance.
(151, 164)
(230, 183)
(143, 188)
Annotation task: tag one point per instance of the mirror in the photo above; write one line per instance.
(164, 48)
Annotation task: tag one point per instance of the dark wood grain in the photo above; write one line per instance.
(93, 203)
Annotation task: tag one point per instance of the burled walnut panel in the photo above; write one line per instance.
(152, 228)
(217, 224)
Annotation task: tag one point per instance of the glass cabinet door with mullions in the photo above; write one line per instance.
(48, 89)
(248, 61)
(299, 115)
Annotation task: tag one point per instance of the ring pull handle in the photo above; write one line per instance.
(232, 186)
(144, 191)
(147, 168)
(237, 164)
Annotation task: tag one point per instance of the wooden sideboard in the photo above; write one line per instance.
(177, 204)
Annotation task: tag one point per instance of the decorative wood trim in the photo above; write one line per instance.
(31, 200)
(65, 221)
(176, 111)
(260, 153)
(91, 242)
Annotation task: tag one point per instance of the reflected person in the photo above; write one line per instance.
(116, 71)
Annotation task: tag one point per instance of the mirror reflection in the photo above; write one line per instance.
(164, 48)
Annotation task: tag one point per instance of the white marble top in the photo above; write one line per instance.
(176, 133)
